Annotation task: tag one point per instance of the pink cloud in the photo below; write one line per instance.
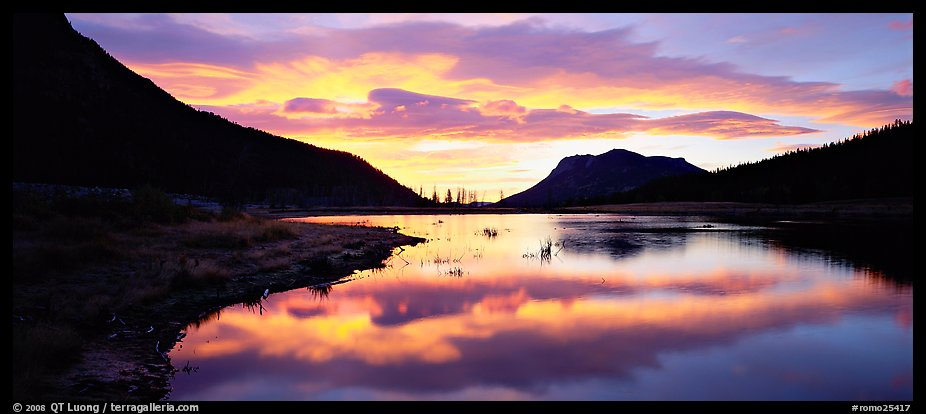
(869, 107)
(503, 107)
(525, 54)
(724, 125)
(400, 113)
(901, 25)
(393, 97)
(313, 105)
(903, 87)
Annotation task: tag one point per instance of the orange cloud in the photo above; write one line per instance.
(582, 69)
(196, 81)
(399, 113)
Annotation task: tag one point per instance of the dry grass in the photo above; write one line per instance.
(268, 260)
(239, 234)
(274, 231)
(193, 272)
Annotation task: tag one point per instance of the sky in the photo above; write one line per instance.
(492, 102)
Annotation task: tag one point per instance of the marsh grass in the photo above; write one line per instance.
(545, 253)
(274, 231)
(239, 234)
(193, 272)
(546, 249)
(268, 260)
(454, 272)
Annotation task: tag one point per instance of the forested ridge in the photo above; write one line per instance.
(874, 164)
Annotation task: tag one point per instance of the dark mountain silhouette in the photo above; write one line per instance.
(875, 164)
(83, 118)
(583, 177)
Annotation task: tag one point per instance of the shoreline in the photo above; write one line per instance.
(145, 375)
(848, 210)
(122, 356)
(866, 209)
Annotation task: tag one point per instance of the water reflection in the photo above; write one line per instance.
(690, 312)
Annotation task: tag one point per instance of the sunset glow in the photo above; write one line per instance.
(492, 102)
(595, 315)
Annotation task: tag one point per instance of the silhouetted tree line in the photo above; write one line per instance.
(82, 118)
(464, 197)
(876, 163)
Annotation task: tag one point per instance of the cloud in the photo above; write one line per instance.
(724, 125)
(504, 107)
(901, 26)
(903, 87)
(393, 97)
(312, 105)
(398, 113)
(197, 80)
(526, 61)
(874, 108)
(157, 38)
(737, 39)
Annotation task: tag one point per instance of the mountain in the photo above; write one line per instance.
(875, 164)
(581, 177)
(80, 117)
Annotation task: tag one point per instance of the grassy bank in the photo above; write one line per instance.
(102, 288)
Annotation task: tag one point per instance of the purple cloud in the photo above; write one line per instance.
(313, 105)
(724, 124)
(156, 38)
(392, 97)
(524, 54)
(396, 112)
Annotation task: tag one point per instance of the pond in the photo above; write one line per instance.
(568, 307)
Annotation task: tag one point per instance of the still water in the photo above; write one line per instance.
(623, 308)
